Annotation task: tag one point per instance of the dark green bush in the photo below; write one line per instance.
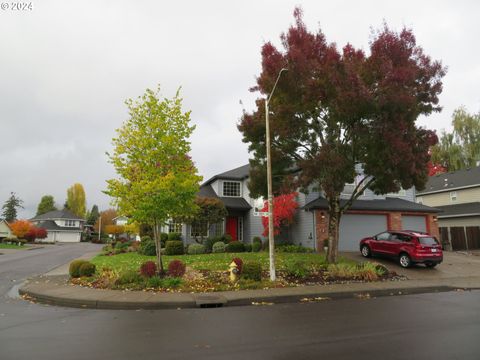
(209, 243)
(235, 247)
(174, 237)
(147, 246)
(218, 247)
(290, 248)
(154, 282)
(129, 277)
(257, 239)
(298, 269)
(256, 247)
(252, 270)
(171, 282)
(174, 248)
(248, 247)
(265, 245)
(87, 269)
(163, 239)
(74, 268)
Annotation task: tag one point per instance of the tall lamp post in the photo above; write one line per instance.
(271, 244)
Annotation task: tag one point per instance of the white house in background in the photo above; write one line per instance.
(61, 225)
(5, 231)
(120, 220)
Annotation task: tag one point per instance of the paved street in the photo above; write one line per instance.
(429, 326)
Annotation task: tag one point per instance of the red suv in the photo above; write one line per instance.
(409, 247)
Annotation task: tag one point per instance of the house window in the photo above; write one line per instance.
(174, 227)
(70, 223)
(199, 230)
(231, 188)
(420, 200)
(453, 196)
(240, 228)
(219, 229)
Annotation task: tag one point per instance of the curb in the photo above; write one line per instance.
(77, 297)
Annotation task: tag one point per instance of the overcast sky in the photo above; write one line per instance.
(66, 68)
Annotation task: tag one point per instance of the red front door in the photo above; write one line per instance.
(231, 226)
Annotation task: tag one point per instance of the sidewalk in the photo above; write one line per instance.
(55, 289)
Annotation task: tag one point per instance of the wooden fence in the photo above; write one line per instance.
(460, 237)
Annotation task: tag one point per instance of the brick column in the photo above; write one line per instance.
(395, 221)
(433, 226)
(321, 228)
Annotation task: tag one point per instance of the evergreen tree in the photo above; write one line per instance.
(10, 208)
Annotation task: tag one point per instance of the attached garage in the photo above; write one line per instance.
(354, 227)
(414, 222)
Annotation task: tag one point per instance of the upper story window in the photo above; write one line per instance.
(453, 196)
(70, 223)
(420, 200)
(231, 188)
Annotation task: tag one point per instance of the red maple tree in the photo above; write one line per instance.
(284, 208)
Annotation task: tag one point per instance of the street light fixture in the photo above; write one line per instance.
(271, 244)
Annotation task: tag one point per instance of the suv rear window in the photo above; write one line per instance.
(427, 241)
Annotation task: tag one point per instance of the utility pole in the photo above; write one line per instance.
(271, 239)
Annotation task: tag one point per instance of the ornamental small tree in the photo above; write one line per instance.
(343, 116)
(284, 208)
(21, 228)
(114, 230)
(209, 211)
(157, 179)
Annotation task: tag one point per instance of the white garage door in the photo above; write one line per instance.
(416, 223)
(354, 227)
(68, 237)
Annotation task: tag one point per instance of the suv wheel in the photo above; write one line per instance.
(365, 250)
(404, 260)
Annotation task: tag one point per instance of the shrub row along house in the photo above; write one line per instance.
(457, 194)
(369, 215)
(62, 226)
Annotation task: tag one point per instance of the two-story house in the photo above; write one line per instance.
(61, 225)
(369, 215)
(457, 194)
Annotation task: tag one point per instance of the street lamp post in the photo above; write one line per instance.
(271, 244)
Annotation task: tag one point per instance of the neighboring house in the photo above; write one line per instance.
(369, 215)
(457, 194)
(61, 225)
(5, 231)
(120, 220)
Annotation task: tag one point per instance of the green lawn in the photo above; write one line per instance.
(216, 262)
(8, 246)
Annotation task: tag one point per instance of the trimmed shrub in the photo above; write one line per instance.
(74, 268)
(174, 237)
(87, 269)
(248, 247)
(218, 247)
(121, 246)
(176, 268)
(257, 239)
(208, 243)
(239, 263)
(129, 277)
(163, 239)
(174, 248)
(298, 269)
(154, 282)
(147, 246)
(194, 249)
(235, 247)
(256, 247)
(227, 238)
(148, 269)
(290, 248)
(252, 270)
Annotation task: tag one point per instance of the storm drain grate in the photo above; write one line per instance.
(210, 301)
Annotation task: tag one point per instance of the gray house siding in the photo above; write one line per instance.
(302, 231)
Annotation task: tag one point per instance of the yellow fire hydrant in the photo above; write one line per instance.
(233, 271)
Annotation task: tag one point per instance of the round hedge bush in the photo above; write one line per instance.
(256, 246)
(176, 268)
(174, 248)
(74, 268)
(218, 247)
(148, 269)
(195, 249)
(235, 247)
(252, 270)
(147, 246)
(87, 269)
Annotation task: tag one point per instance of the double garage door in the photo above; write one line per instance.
(354, 227)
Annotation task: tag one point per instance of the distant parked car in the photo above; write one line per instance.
(408, 247)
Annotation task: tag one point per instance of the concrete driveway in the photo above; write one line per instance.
(454, 265)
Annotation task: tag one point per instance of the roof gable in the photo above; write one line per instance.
(58, 214)
(239, 173)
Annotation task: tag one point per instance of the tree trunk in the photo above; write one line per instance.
(158, 247)
(334, 215)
